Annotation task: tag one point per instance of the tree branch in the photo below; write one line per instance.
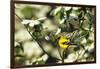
(35, 39)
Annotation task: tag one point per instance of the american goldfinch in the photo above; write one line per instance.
(65, 42)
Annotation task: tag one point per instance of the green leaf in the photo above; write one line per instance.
(33, 63)
(89, 42)
(41, 62)
(60, 15)
(21, 47)
(57, 10)
(68, 12)
(87, 35)
(17, 49)
(78, 10)
(51, 60)
(38, 28)
(30, 28)
(80, 15)
(76, 48)
(19, 55)
(84, 10)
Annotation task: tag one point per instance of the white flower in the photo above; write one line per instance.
(67, 8)
(58, 31)
(57, 10)
(47, 37)
(62, 21)
(26, 21)
(73, 15)
(31, 22)
(16, 43)
(44, 57)
(83, 41)
(34, 22)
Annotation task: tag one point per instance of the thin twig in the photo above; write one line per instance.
(63, 56)
(72, 36)
(32, 37)
(18, 17)
(60, 53)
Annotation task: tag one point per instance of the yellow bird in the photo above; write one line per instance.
(63, 42)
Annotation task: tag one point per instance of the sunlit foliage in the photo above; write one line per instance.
(37, 32)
